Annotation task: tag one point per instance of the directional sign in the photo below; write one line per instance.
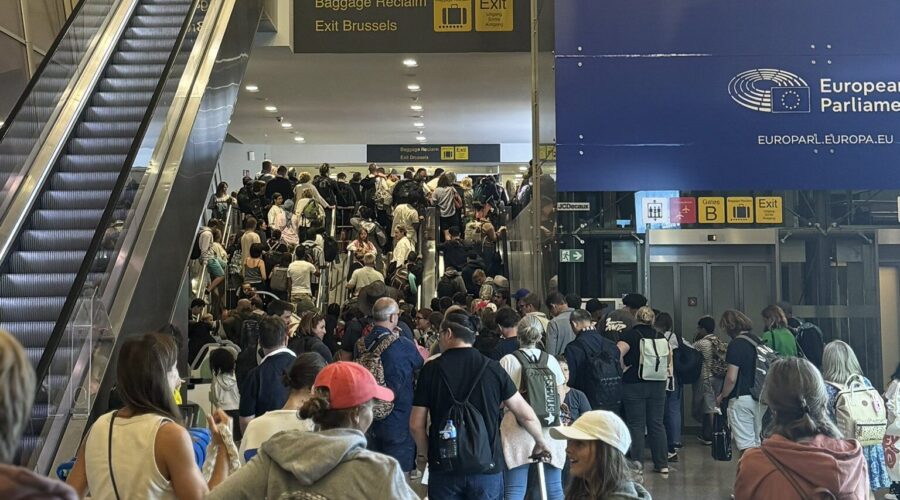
(571, 255)
(683, 210)
(573, 206)
(769, 210)
(655, 210)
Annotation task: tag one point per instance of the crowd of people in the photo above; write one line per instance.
(480, 393)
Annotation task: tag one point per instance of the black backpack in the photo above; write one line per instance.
(445, 287)
(247, 359)
(605, 377)
(811, 342)
(688, 363)
(345, 195)
(195, 250)
(475, 448)
(368, 185)
(330, 248)
(326, 187)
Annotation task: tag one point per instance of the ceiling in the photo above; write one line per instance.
(481, 98)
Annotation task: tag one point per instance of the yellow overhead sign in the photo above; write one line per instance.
(494, 15)
(461, 153)
(711, 210)
(740, 210)
(452, 16)
(769, 210)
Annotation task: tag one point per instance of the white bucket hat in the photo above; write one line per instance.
(598, 425)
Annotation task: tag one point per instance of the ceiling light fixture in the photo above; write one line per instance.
(271, 109)
(418, 124)
(523, 168)
(410, 63)
(421, 138)
(414, 87)
(416, 107)
(252, 88)
(299, 138)
(286, 125)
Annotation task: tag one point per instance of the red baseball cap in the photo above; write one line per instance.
(350, 384)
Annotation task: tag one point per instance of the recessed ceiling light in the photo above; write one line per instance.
(414, 87)
(523, 168)
(299, 138)
(418, 124)
(421, 138)
(271, 109)
(416, 107)
(286, 125)
(252, 88)
(410, 63)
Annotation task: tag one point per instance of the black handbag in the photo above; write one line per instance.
(721, 438)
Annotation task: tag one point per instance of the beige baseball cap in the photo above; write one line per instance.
(598, 425)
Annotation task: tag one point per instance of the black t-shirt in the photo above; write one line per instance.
(460, 367)
(632, 358)
(742, 354)
(504, 347)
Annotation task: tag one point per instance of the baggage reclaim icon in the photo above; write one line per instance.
(452, 16)
(770, 91)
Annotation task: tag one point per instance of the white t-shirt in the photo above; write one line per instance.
(300, 272)
(270, 423)
(401, 250)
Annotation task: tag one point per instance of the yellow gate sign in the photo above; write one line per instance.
(740, 210)
(711, 210)
(769, 210)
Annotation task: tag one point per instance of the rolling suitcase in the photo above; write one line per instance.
(721, 446)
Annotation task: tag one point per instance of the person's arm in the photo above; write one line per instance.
(262, 269)
(418, 427)
(248, 482)
(318, 197)
(78, 476)
(623, 350)
(552, 338)
(174, 447)
(572, 361)
(528, 420)
(730, 381)
(352, 283)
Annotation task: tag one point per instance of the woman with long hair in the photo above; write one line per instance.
(597, 444)
(332, 462)
(143, 450)
(776, 334)
(220, 202)
(805, 455)
(309, 336)
(840, 368)
(449, 204)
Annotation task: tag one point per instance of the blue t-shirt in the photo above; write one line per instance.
(263, 390)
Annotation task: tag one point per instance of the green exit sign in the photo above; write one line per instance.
(571, 255)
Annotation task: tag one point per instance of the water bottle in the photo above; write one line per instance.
(448, 447)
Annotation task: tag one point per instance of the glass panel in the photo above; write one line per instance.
(757, 292)
(723, 289)
(662, 288)
(13, 73)
(11, 16)
(692, 297)
(45, 19)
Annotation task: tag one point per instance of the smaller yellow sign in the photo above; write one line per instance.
(711, 210)
(452, 16)
(547, 152)
(740, 210)
(448, 154)
(461, 153)
(494, 15)
(769, 210)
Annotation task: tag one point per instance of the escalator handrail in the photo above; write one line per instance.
(43, 367)
(39, 72)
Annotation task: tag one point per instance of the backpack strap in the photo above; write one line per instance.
(384, 343)
(820, 491)
(475, 382)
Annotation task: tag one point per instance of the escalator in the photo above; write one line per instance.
(92, 183)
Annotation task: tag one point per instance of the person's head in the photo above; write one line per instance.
(663, 322)
(221, 361)
(343, 395)
(573, 301)
(267, 166)
(272, 334)
(302, 375)
(795, 393)
(356, 177)
(341, 177)
(787, 308)
(369, 260)
(595, 307)
(243, 306)
(247, 181)
(277, 199)
(530, 303)
(408, 175)
(16, 394)
(304, 178)
(333, 310)
(529, 330)
(363, 234)
(399, 233)
(645, 315)
(217, 235)
(734, 322)
(460, 298)
(705, 326)
(454, 233)
(438, 172)
(556, 303)
(300, 252)
(282, 310)
(256, 250)
(324, 169)
(147, 375)
(444, 303)
(445, 181)
(507, 320)
(282, 171)
(633, 302)
(373, 168)
(386, 313)
(423, 319)
(466, 183)
(313, 325)
(773, 317)
(222, 189)
(581, 320)
(250, 224)
(197, 306)
(479, 277)
(501, 297)
(457, 330)
(421, 174)
(564, 367)
(597, 443)
(259, 187)
(839, 362)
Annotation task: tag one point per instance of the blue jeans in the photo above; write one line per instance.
(672, 417)
(398, 443)
(443, 486)
(516, 482)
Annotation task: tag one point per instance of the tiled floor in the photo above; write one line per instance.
(696, 475)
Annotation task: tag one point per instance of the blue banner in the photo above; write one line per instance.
(699, 94)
